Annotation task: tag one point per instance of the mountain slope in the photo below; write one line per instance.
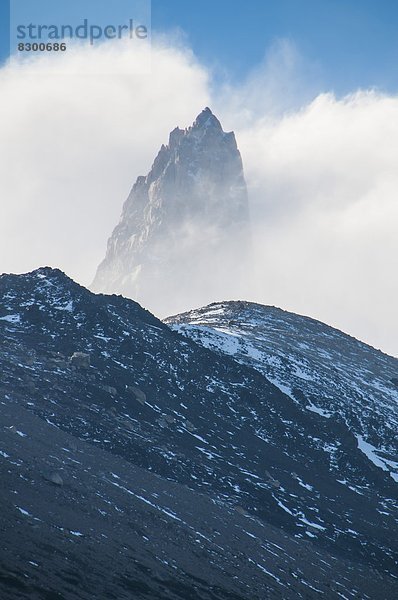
(185, 473)
(189, 214)
(324, 370)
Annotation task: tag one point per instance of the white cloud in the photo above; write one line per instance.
(322, 177)
(71, 147)
(323, 187)
(282, 82)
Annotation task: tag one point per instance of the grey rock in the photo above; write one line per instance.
(137, 393)
(128, 425)
(81, 360)
(110, 390)
(190, 426)
(169, 419)
(241, 511)
(188, 215)
(55, 478)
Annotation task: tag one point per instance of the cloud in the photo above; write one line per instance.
(323, 187)
(283, 81)
(72, 145)
(321, 173)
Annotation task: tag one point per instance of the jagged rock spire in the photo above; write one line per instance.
(188, 217)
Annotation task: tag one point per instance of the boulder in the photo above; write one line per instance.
(55, 478)
(190, 426)
(139, 395)
(109, 390)
(81, 360)
(127, 424)
(241, 511)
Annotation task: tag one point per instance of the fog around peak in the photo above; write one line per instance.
(321, 175)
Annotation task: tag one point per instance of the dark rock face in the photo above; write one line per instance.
(197, 479)
(189, 215)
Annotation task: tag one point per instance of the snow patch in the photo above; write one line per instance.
(23, 511)
(319, 411)
(68, 307)
(11, 318)
(370, 453)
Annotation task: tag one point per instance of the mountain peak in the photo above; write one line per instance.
(188, 215)
(206, 119)
(175, 136)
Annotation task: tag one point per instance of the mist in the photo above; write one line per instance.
(321, 174)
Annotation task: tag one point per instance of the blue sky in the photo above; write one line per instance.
(4, 20)
(352, 43)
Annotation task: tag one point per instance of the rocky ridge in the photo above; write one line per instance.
(125, 443)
